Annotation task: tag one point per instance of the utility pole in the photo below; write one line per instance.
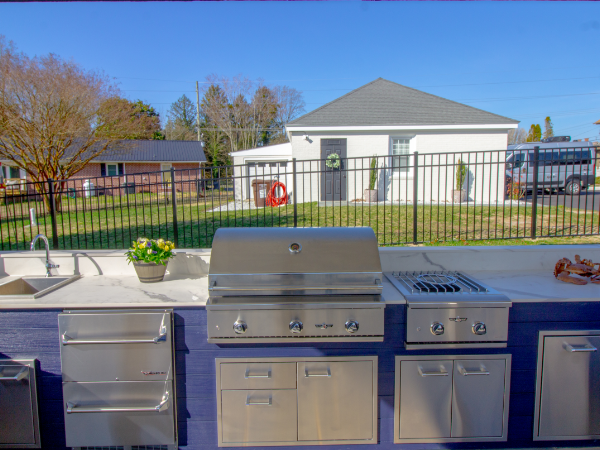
(198, 110)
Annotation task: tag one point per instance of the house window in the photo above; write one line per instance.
(12, 172)
(112, 169)
(166, 172)
(400, 152)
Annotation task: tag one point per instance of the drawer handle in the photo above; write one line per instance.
(308, 375)
(580, 348)
(162, 406)
(18, 377)
(249, 403)
(442, 373)
(466, 372)
(162, 337)
(247, 375)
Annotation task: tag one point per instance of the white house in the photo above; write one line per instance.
(393, 122)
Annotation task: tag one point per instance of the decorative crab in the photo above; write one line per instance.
(565, 269)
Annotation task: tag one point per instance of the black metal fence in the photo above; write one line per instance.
(405, 198)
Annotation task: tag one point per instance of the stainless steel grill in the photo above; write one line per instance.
(449, 309)
(295, 284)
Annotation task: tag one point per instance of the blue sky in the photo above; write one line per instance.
(521, 60)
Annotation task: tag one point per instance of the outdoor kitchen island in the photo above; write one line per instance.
(522, 274)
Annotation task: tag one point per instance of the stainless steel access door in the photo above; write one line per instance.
(119, 413)
(97, 346)
(478, 398)
(335, 400)
(18, 405)
(425, 399)
(570, 388)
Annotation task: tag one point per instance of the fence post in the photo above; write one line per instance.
(536, 162)
(53, 213)
(415, 194)
(295, 193)
(174, 203)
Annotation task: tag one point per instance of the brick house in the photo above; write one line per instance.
(147, 164)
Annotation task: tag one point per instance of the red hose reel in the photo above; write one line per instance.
(272, 199)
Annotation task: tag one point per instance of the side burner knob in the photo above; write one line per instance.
(351, 326)
(437, 328)
(479, 328)
(240, 327)
(296, 326)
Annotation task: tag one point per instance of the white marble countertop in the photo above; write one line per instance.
(108, 282)
(110, 291)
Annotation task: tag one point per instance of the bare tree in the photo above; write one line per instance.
(250, 113)
(52, 113)
(517, 136)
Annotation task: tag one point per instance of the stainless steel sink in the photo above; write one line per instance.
(33, 287)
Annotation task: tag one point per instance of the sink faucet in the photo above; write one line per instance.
(48, 265)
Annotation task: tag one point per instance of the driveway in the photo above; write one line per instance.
(589, 199)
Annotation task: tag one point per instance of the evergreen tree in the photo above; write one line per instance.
(548, 128)
(181, 120)
(535, 133)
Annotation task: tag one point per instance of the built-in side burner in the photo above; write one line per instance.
(450, 309)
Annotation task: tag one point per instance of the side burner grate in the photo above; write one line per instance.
(438, 283)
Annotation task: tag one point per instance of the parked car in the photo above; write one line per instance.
(569, 166)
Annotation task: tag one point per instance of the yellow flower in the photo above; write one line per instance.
(161, 245)
(160, 241)
(166, 248)
(149, 251)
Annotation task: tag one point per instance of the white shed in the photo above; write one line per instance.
(268, 163)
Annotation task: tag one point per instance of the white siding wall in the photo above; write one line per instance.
(435, 185)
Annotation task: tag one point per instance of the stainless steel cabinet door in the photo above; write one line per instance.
(109, 347)
(16, 406)
(478, 398)
(570, 393)
(335, 400)
(119, 413)
(259, 416)
(425, 399)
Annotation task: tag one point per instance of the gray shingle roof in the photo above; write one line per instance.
(151, 151)
(382, 102)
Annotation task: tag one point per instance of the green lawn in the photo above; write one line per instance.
(100, 223)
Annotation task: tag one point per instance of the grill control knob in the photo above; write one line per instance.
(351, 326)
(240, 327)
(437, 328)
(479, 328)
(296, 326)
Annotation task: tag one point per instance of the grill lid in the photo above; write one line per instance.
(294, 261)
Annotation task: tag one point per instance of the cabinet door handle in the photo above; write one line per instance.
(18, 377)
(247, 374)
(466, 372)
(72, 408)
(268, 403)
(307, 375)
(442, 373)
(162, 337)
(586, 348)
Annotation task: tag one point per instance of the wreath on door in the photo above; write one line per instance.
(333, 161)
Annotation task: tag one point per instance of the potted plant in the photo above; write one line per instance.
(150, 258)
(371, 194)
(460, 195)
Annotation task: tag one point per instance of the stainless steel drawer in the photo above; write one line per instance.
(119, 413)
(258, 376)
(116, 346)
(18, 405)
(259, 416)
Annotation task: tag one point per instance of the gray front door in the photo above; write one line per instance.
(333, 180)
